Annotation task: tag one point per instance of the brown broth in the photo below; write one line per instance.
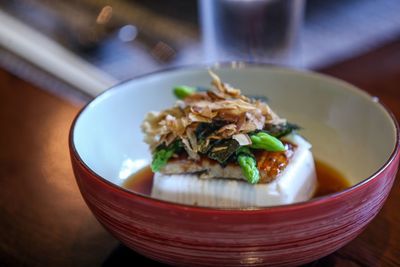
(140, 182)
(329, 180)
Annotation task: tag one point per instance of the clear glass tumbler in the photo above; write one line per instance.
(251, 30)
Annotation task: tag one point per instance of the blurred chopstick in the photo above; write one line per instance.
(48, 55)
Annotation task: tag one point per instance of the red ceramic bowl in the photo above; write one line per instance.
(348, 129)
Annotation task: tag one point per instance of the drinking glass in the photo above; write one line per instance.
(251, 30)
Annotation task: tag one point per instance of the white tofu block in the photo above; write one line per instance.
(296, 183)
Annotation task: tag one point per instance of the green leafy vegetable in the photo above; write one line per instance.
(281, 130)
(223, 150)
(262, 140)
(163, 154)
(248, 164)
(183, 91)
(204, 146)
(204, 130)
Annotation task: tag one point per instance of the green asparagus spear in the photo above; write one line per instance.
(262, 140)
(183, 91)
(160, 158)
(163, 154)
(248, 164)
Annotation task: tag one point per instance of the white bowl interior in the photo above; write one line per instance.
(348, 129)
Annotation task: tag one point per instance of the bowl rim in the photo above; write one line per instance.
(270, 209)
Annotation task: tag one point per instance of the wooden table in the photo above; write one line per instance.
(44, 221)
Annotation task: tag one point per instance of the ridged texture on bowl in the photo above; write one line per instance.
(186, 236)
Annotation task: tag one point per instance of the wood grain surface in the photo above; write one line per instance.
(44, 221)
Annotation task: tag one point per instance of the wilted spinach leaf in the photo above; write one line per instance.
(281, 130)
(222, 150)
(205, 129)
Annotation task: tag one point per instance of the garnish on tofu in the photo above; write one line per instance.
(218, 133)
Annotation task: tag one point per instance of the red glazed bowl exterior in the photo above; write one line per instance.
(190, 236)
(287, 235)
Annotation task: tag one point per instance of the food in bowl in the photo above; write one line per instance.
(221, 148)
(105, 138)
